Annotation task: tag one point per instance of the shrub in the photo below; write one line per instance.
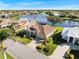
(39, 47)
(69, 55)
(20, 33)
(49, 49)
(50, 40)
(46, 49)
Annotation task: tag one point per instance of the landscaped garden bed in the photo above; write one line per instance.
(72, 54)
(47, 49)
(57, 38)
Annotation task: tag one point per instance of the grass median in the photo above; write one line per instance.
(23, 40)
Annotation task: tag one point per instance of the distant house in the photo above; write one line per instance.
(2, 16)
(6, 22)
(56, 14)
(71, 34)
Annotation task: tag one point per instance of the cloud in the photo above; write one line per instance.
(32, 3)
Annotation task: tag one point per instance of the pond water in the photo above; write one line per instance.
(68, 23)
(35, 17)
(43, 19)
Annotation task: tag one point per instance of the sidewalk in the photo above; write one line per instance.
(33, 44)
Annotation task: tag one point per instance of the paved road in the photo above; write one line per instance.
(59, 52)
(21, 51)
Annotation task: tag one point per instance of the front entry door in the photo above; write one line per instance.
(71, 40)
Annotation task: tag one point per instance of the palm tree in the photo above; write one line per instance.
(3, 35)
(12, 28)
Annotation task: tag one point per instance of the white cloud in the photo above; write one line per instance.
(24, 4)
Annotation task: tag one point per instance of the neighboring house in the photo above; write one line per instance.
(37, 30)
(6, 22)
(35, 17)
(2, 16)
(56, 14)
(71, 34)
(24, 24)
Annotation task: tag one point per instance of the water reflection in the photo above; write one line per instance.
(44, 20)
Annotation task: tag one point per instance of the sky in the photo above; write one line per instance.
(38, 4)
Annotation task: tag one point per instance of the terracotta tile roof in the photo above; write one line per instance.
(39, 29)
(6, 22)
(44, 30)
(24, 24)
(48, 30)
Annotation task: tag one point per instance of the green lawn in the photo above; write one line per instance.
(8, 56)
(23, 40)
(1, 55)
(66, 18)
(59, 29)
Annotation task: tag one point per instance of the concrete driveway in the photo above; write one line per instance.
(21, 51)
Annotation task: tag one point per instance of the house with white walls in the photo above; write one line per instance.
(71, 34)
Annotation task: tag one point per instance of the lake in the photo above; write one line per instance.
(40, 18)
(35, 17)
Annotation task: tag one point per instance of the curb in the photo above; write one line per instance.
(11, 54)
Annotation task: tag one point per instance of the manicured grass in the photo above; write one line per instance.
(1, 55)
(59, 29)
(23, 40)
(66, 18)
(8, 56)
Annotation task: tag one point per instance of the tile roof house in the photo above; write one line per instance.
(37, 30)
(6, 22)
